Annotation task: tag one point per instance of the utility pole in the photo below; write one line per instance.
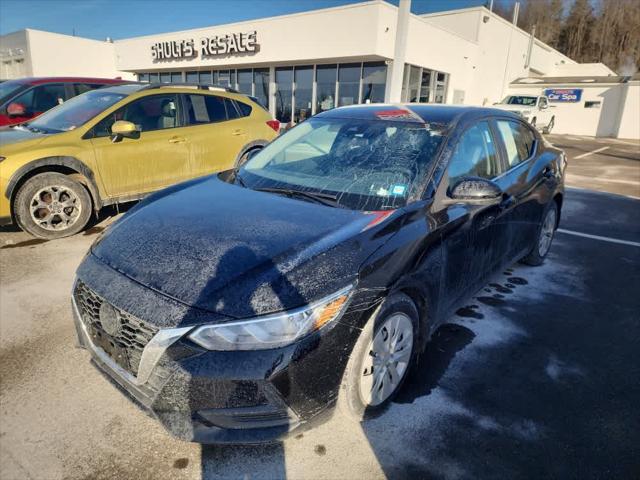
(394, 90)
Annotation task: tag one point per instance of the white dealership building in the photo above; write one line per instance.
(304, 63)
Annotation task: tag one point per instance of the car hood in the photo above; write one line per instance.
(238, 252)
(17, 134)
(513, 108)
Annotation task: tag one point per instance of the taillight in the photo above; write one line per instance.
(275, 124)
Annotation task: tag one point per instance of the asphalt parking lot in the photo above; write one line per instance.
(536, 376)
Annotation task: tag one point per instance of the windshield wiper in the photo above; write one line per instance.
(322, 198)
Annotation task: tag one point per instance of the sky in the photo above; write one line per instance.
(118, 19)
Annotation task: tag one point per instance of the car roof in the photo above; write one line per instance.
(41, 80)
(414, 112)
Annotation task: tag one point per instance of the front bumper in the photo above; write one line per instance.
(233, 397)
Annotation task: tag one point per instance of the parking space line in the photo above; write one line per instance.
(598, 237)
(597, 150)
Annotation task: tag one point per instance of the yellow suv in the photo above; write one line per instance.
(117, 144)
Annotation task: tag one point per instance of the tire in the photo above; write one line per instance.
(549, 127)
(245, 156)
(38, 211)
(546, 232)
(351, 399)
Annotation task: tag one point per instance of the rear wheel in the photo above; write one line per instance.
(381, 358)
(52, 205)
(545, 237)
(245, 156)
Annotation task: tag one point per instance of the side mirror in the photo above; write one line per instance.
(16, 110)
(475, 190)
(122, 128)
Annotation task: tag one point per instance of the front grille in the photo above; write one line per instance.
(126, 346)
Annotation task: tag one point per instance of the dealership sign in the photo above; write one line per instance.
(230, 44)
(563, 94)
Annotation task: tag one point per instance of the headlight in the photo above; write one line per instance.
(272, 331)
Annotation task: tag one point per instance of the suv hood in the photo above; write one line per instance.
(237, 252)
(17, 134)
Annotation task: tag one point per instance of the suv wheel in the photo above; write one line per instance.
(381, 358)
(545, 236)
(51, 205)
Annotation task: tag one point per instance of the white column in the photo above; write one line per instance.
(394, 87)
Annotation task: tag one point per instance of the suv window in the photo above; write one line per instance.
(475, 155)
(205, 109)
(42, 98)
(155, 112)
(519, 141)
(245, 110)
(232, 111)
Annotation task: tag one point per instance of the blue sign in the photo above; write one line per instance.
(563, 94)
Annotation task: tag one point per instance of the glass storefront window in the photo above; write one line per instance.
(441, 88)
(165, 77)
(303, 97)
(349, 84)
(414, 84)
(374, 82)
(143, 77)
(176, 77)
(326, 87)
(284, 90)
(154, 77)
(205, 78)
(224, 78)
(261, 80)
(245, 81)
(425, 85)
(192, 77)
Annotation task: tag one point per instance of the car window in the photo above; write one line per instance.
(245, 110)
(42, 98)
(205, 109)
(232, 111)
(519, 141)
(155, 112)
(81, 88)
(475, 155)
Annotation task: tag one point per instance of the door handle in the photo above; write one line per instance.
(237, 132)
(177, 140)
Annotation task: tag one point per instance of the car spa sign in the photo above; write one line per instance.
(229, 44)
(563, 94)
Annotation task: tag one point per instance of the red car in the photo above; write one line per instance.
(26, 98)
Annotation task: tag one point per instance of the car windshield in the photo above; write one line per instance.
(8, 88)
(520, 100)
(360, 164)
(75, 112)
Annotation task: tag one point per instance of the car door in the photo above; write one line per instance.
(216, 133)
(527, 184)
(156, 158)
(474, 237)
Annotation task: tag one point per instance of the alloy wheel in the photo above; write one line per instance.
(387, 359)
(55, 208)
(546, 232)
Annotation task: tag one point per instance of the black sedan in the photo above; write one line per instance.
(242, 306)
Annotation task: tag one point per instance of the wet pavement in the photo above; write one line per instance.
(536, 376)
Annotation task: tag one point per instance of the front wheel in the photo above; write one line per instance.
(381, 358)
(52, 205)
(545, 237)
